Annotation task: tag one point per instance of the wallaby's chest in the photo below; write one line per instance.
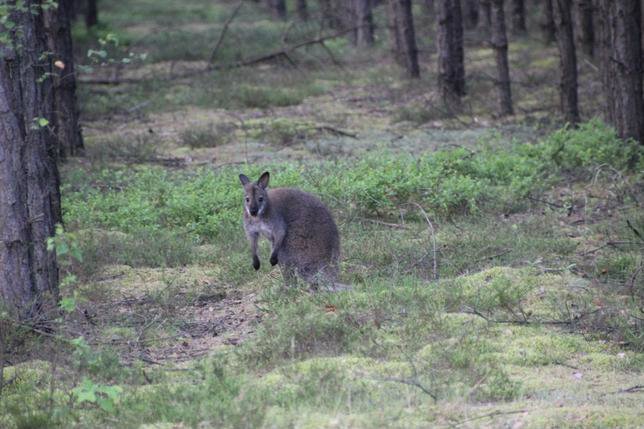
(260, 227)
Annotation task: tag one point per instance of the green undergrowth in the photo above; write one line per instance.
(445, 183)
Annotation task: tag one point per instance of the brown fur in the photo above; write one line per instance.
(303, 235)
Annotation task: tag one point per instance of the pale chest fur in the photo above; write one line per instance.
(259, 226)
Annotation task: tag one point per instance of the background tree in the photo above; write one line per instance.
(364, 22)
(91, 13)
(585, 26)
(451, 68)
(518, 17)
(621, 61)
(548, 22)
(486, 15)
(568, 60)
(499, 42)
(470, 13)
(277, 8)
(66, 115)
(404, 35)
(302, 10)
(29, 185)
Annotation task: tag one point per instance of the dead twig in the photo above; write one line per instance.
(488, 415)
(336, 131)
(387, 224)
(559, 206)
(609, 244)
(222, 35)
(432, 236)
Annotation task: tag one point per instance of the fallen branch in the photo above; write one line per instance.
(609, 244)
(336, 131)
(387, 224)
(282, 53)
(488, 415)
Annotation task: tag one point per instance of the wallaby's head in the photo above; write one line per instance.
(255, 194)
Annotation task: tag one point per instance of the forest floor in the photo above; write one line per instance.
(496, 263)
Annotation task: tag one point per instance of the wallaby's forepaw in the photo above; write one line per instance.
(255, 262)
(274, 259)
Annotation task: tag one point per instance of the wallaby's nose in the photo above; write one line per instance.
(253, 212)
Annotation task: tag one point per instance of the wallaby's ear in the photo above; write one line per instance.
(243, 179)
(262, 182)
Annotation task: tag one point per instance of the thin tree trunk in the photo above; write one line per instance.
(471, 13)
(622, 66)
(277, 8)
(302, 10)
(404, 22)
(586, 27)
(59, 38)
(451, 68)
(548, 24)
(499, 42)
(29, 186)
(486, 12)
(518, 17)
(395, 44)
(429, 7)
(568, 60)
(91, 14)
(364, 22)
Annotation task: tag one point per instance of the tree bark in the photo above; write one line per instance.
(277, 8)
(395, 43)
(451, 68)
(302, 10)
(499, 42)
(621, 58)
(486, 12)
(548, 24)
(470, 13)
(91, 14)
(404, 22)
(66, 113)
(568, 60)
(29, 185)
(518, 17)
(364, 22)
(586, 27)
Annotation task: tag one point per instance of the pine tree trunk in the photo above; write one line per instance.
(486, 12)
(59, 40)
(586, 27)
(91, 14)
(470, 13)
(404, 22)
(518, 17)
(451, 68)
(548, 24)
(395, 43)
(29, 184)
(277, 8)
(621, 55)
(364, 22)
(499, 42)
(302, 10)
(568, 60)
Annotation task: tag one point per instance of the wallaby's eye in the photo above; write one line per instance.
(260, 199)
(247, 200)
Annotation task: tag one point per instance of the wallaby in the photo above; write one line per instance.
(304, 238)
